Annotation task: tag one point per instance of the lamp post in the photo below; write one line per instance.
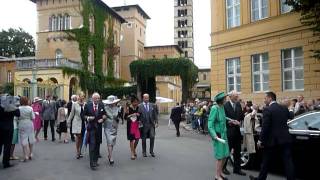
(34, 81)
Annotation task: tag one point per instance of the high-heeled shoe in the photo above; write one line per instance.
(111, 161)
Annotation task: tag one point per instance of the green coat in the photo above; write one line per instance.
(217, 125)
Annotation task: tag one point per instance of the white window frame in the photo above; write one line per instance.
(259, 10)
(261, 72)
(282, 4)
(291, 69)
(59, 54)
(9, 76)
(233, 8)
(234, 75)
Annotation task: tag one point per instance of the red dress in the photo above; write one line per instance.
(37, 109)
(133, 131)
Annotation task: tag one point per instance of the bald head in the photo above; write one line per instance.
(146, 98)
(234, 96)
(95, 98)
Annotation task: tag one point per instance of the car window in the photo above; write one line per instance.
(303, 122)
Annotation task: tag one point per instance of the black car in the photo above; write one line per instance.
(305, 130)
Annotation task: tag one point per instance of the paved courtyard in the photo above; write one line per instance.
(186, 158)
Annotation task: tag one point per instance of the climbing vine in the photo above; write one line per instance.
(145, 72)
(97, 40)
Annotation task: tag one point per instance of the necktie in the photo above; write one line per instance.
(95, 108)
(146, 105)
(234, 107)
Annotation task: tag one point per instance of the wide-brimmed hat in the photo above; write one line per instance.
(220, 96)
(111, 100)
(37, 99)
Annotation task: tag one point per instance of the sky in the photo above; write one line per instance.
(160, 29)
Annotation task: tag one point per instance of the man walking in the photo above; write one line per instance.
(234, 114)
(175, 116)
(95, 114)
(48, 115)
(275, 135)
(149, 118)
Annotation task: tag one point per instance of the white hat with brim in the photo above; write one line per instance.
(37, 99)
(111, 100)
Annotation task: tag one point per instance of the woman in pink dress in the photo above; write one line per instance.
(37, 123)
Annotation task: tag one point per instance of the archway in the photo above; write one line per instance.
(73, 86)
(145, 71)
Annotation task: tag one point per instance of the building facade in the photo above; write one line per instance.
(7, 69)
(183, 27)
(166, 86)
(42, 75)
(202, 89)
(133, 37)
(259, 46)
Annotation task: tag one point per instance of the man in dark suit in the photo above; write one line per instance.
(275, 135)
(175, 116)
(234, 114)
(7, 114)
(49, 110)
(95, 114)
(74, 99)
(149, 118)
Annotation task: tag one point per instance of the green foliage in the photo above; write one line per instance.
(118, 91)
(96, 40)
(310, 16)
(8, 88)
(16, 42)
(146, 70)
(93, 82)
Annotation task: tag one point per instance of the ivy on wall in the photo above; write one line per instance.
(145, 72)
(97, 40)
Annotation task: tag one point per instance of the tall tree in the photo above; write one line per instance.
(310, 16)
(16, 42)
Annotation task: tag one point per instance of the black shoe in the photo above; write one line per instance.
(225, 171)
(152, 154)
(53, 140)
(144, 154)
(241, 173)
(224, 178)
(5, 166)
(99, 156)
(252, 178)
(93, 168)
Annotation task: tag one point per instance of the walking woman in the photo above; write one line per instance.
(133, 132)
(77, 116)
(111, 124)
(62, 120)
(218, 132)
(26, 130)
(37, 109)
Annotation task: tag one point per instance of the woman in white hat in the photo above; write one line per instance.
(111, 124)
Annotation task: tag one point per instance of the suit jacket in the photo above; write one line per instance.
(176, 114)
(6, 118)
(49, 110)
(89, 111)
(93, 125)
(275, 130)
(148, 117)
(237, 114)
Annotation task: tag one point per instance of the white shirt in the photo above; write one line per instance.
(146, 105)
(272, 102)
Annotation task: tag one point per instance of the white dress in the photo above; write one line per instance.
(26, 130)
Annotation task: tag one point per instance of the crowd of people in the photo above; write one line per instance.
(21, 123)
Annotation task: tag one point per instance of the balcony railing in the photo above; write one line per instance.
(27, 64)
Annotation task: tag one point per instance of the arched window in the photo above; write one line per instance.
(59, 54)
(91, 59)
(53, 23)
(60, 23)
(91, 23)
(67, 21)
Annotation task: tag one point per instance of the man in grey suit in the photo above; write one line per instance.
(48, 115)
(149, 118)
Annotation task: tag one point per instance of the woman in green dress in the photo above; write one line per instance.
(218, 132)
